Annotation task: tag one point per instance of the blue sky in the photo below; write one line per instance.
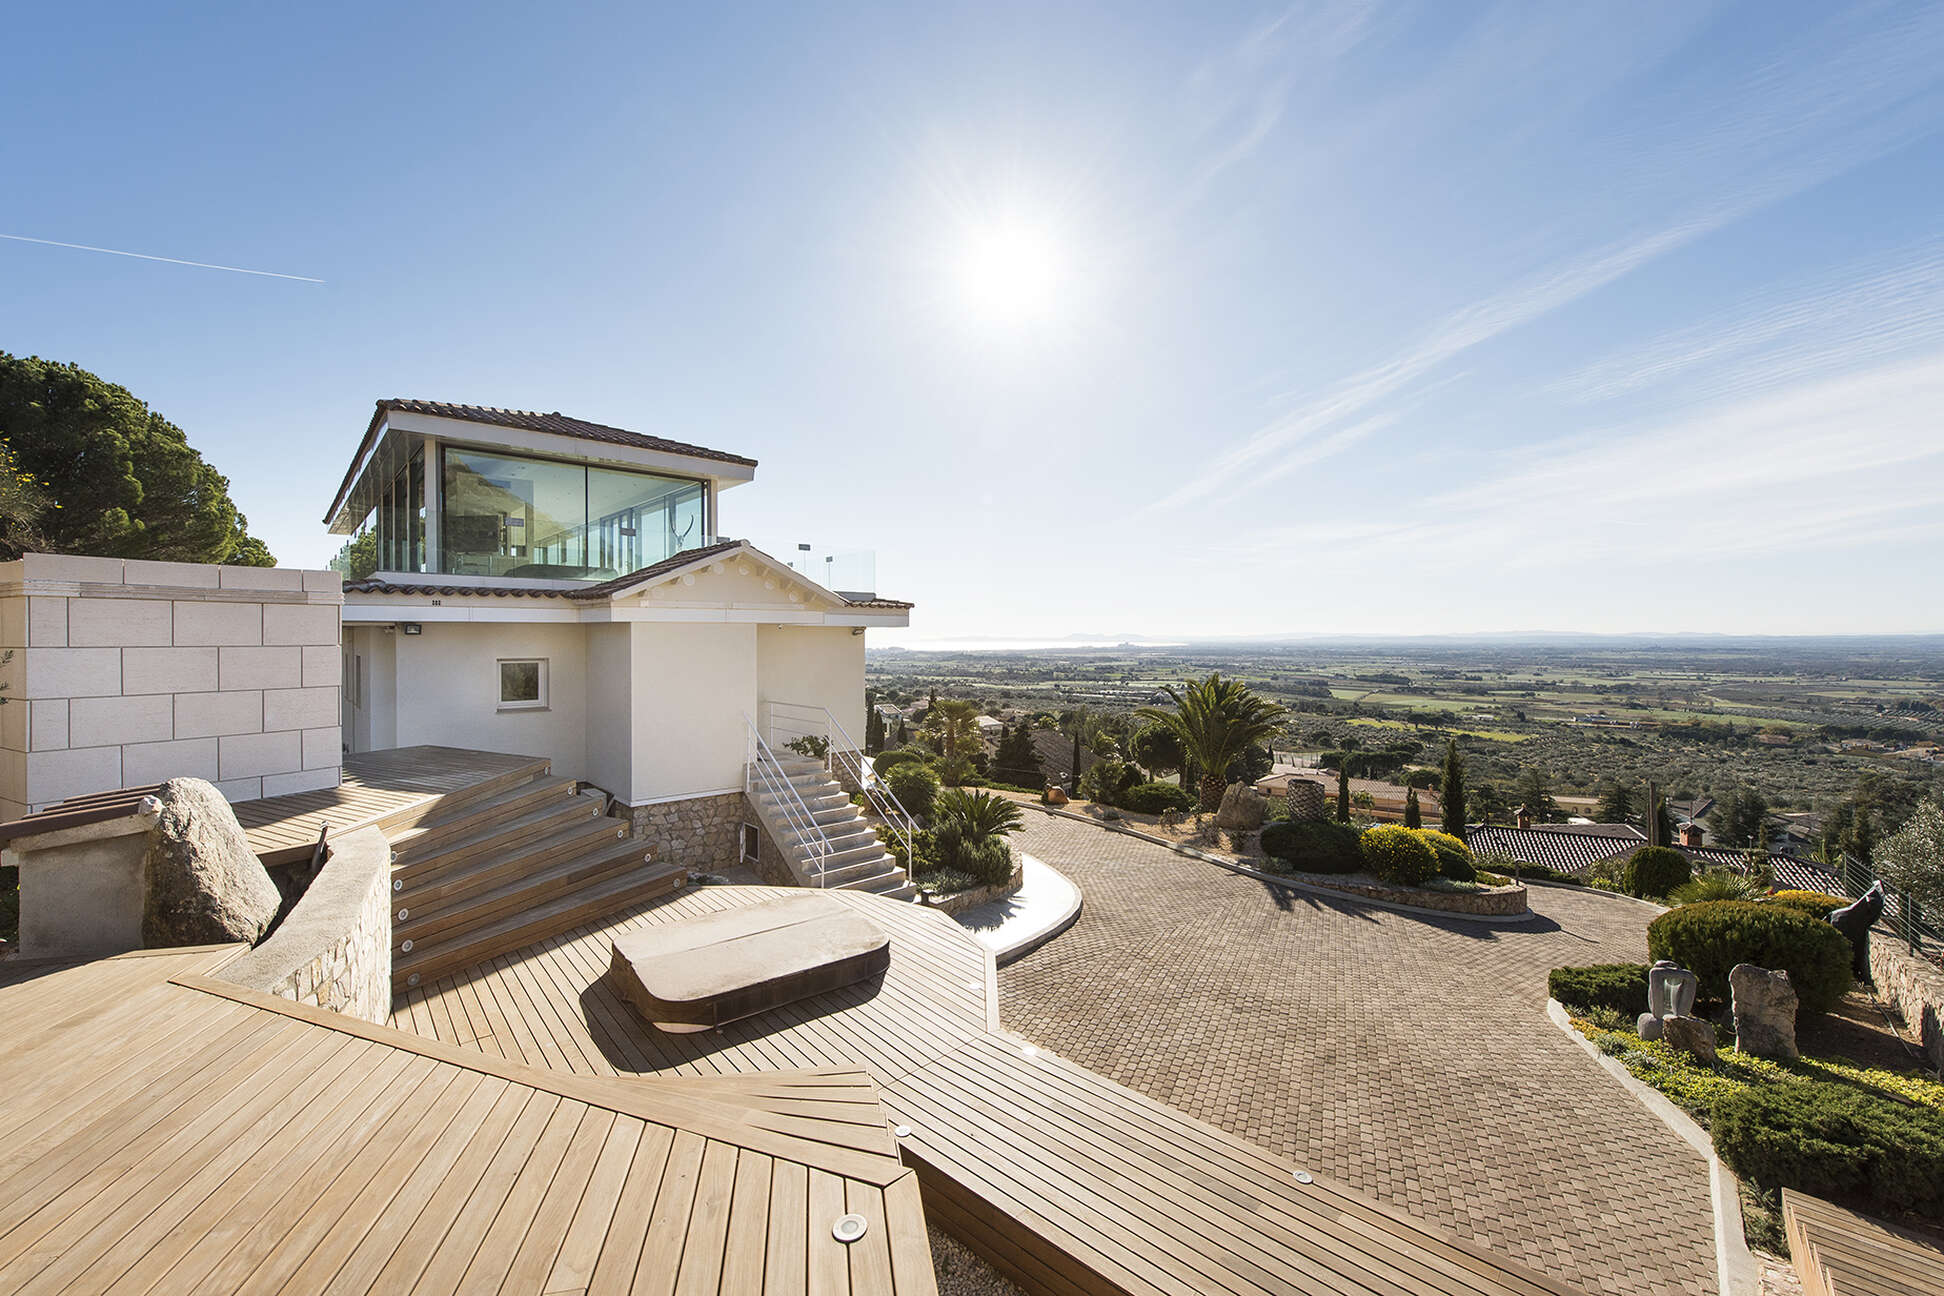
(1170, 320)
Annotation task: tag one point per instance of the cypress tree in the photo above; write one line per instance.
(1413, 817)
(1451, 792)
(873, 732)
(1343, 793)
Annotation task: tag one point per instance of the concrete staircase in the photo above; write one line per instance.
(524, 861)
(856, 860)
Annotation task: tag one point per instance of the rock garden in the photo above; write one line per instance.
(1751, 1020)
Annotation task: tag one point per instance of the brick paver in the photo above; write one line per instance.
(1407, 1057)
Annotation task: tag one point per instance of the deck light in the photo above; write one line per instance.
(1303, 1177)
(849, 1228)
(901, 1131)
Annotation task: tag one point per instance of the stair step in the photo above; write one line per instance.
(429, 867)
(854, 870)
(893, 884)
(535, 924)
(490, 867)
(565, 876)
(470, 820)
(448, 802)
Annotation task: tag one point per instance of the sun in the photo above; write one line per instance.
(1010, 273)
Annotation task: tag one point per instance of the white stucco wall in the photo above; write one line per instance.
(447, 681)
(814, 665)
(610, 709)
(693, 684)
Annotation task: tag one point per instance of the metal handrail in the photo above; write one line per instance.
(797, 819)
(852, 761)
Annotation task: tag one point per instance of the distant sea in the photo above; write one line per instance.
(1026, 645)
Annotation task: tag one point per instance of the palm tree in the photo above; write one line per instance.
(1216, 720)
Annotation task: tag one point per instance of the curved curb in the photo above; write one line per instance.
(1583, 888)
(1041, 933)
(1326, 893)
(1734, 1262)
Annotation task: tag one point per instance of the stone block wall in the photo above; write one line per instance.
(698, 833)
(334, 949)
(1915, 985)
(127, 672)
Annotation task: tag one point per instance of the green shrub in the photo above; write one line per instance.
(915, 786)
(1835, 1140)
(885, 762)
(1819, 903)
(1455, 859)
(1621, 987)
(1107, 781)
(1711, 937)
(1156, 798)
(989, 861)
(980, 816)
(1398, 855)
(1653, 871)
(1313, 846)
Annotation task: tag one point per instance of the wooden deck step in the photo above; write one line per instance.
(536, 924)
(473, 818)
(1838, 1252)
(430, 873)
(578, 867)
(450, 802)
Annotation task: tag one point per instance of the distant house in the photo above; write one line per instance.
(1573, 849)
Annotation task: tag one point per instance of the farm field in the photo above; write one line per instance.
(1802, 721)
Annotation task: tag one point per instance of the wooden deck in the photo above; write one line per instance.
(1838, 1252)
(164, 1131)
(389, 789)
(1064, 1180)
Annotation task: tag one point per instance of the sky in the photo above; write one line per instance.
(1170, 320)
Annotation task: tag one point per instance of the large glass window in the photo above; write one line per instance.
(505, 515)
(401, 519)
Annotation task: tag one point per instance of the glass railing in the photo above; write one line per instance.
(845, 571)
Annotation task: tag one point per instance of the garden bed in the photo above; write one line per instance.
(1507, 901)
(968, 897)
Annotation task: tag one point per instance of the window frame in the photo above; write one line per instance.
(540, 702)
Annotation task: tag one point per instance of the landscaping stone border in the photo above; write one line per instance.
(1739, 1274)
(1915, 985)
(334, 948)
(1292, 883)
(959, 901)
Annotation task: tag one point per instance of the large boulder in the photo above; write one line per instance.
(1243, 809)
(1765, 1011)
(204, 885)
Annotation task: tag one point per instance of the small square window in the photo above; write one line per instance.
(523, 684)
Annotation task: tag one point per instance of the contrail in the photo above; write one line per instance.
(143, 256)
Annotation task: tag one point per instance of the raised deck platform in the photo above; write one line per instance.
(1838, 1252)
(165, 1131)
(1065, 1181)
(388, 789)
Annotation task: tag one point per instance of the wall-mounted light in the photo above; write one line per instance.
(412, 627)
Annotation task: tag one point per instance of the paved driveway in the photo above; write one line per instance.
(1410, 1058)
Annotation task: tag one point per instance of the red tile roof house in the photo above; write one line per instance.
(560, 588)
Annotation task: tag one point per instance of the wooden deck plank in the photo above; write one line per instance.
(489, 1232)
(747, 1248)
(707, 1237)
(560, 1203)
(580, 1248)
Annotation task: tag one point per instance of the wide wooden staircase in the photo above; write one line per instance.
(504, 863)
(843, 850)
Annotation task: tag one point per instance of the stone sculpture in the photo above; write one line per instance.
(1854, 920)
(1670, 993)
(1243, 809)
(1765, 1011)
(204, 885)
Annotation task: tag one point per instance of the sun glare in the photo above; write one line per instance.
(1010, 273)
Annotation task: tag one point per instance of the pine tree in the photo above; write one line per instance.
(1616, 805)
(1017, 759)
(1413, 817)
(1451, 791)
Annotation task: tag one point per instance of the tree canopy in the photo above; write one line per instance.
(124, 481)
(1216, 720)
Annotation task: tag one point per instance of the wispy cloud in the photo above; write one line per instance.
(1784, 126)
(144, 256)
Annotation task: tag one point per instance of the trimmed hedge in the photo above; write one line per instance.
(1455, 859)
(1653, 871)
(885, 762)
(1619, 986)
(1711, 937)
(1156, 798)
(1820, 903)
(1398, 855)
(1835, 1140)
(1313, 846)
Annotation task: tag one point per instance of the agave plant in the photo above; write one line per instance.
(1216, 721)
(1716, 884)
(976, 816)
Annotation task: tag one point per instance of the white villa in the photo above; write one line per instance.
(560, 588)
